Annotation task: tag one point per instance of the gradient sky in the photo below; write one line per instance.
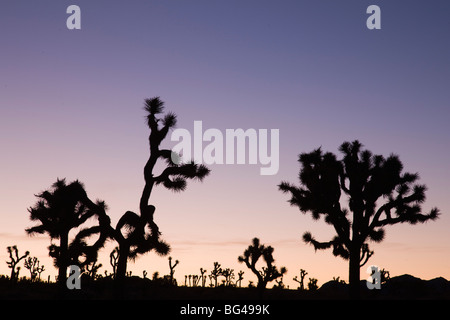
(71, 106)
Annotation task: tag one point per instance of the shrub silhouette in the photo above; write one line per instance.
(367, 180)
(303, 274)
(250, 258)
(312, 284)
(61, 209)
(15, 259)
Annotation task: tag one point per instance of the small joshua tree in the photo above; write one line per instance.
(303, 273)
(229, 276)
(240, 278)
(32, 264)
(59, 210)
(215, 273)
(14, 256)
(138, 234)
(39, 270)
(250, 258)
(113, 260)
(172, 270)
(312, 285)
(92, 268)
(203, 276)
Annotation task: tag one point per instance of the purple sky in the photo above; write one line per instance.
(71, 106)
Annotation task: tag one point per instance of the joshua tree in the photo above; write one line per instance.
(203, 276)
(384, 276)
(337, 279)
(195, 280)
(251, 257)
(14, 256)
(240, 278)
(215, 273)
(312, 285)
(303, 273)
(39, 270)
(279, 283)
(172, 270)
(61, 209)
(32, 264)
(91, 269)
(229, 276)
(113, 258)
(136, 239)
(379, 195)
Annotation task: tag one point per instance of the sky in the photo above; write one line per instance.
(71, 106)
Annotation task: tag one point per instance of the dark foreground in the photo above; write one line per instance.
(135, 288)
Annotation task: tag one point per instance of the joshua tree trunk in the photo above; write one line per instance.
(354, 272)
(63, 259)
(124, 252)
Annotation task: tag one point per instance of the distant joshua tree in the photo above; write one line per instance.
(132, 229)
(215, 273)
(172, 280)
(384, 276)
(369, 181)
(203, 276)
(240, 278)
(113, 260)
(229, 277)
(250, 258)
(312, 284)
(62, 208)
(303, 273)
(338, 279)
(32, 264)
(15, 259)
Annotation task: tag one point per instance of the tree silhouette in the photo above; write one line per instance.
(139, 234)
(113, 260)
(240, 278)
(303, 273)
(15, 259)
(215, 273)
(172, 280)
(251, 256)
(32, 264)
(312, 284)
(379, 195)
(61, 209)
(202, 276)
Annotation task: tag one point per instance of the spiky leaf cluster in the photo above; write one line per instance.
(379, 194)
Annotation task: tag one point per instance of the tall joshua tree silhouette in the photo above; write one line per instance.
(61, 209)
(136, 240)
(379, 195)
(250, 258)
